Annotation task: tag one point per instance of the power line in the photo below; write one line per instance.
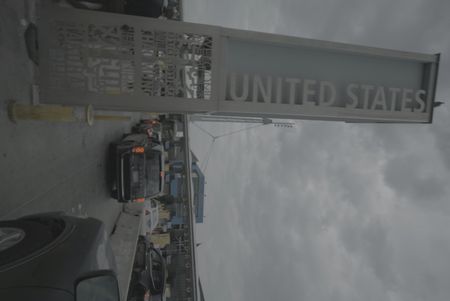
(204, 164)
(241, 130)
(203, 130)
(240, 119)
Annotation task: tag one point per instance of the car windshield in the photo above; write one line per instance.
(157, 269)
(153, 166)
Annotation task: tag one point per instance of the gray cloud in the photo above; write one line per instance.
(418, 185)
(330, 211)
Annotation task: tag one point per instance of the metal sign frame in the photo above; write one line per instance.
(122, 62)
(54, 37)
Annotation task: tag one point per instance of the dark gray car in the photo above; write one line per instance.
(138, 168)
(56, 257)
(149, 273)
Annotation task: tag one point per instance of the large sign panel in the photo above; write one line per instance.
(133, 63)
(298, 78)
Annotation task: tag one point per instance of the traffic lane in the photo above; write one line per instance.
(47, 166)
(58, 167)
(16, 72)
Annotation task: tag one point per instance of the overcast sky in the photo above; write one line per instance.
(328, 210)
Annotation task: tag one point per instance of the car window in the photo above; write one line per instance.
(100, 288)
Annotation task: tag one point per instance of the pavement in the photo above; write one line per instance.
(48, 166)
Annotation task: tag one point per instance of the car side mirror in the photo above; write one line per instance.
(98, 287)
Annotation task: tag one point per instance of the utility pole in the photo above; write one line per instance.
(239, 119)
(255, 121)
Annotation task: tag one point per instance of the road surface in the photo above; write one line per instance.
(47, 166)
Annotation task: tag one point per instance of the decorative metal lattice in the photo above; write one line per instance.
(127, 60)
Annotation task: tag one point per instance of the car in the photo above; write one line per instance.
(171, 127)
(138, 168)
(151, 127)
(149, 8)
(52, 256)
(158, 272)
(155, 129)
(138, 289)
(148, 280)
(151, 216)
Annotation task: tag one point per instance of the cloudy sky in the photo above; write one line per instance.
(328, 210)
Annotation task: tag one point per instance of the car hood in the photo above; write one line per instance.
(81, 249)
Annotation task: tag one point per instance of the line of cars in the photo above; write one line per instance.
(139, 177)
(52, 256)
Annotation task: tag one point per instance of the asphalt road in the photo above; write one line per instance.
(48, 166)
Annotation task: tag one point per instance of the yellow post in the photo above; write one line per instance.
(17, 111)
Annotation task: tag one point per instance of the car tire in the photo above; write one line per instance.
(33, 237)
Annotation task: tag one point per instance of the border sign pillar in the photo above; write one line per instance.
(122, 62)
